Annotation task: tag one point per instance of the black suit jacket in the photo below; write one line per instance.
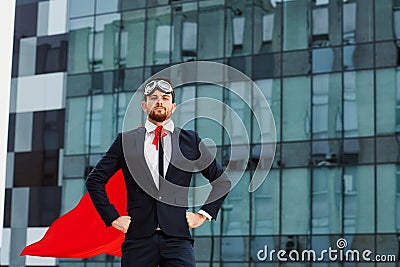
(148, 206)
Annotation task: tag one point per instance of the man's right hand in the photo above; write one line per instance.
(122, 223)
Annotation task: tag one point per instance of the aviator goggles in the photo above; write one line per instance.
(164, 86)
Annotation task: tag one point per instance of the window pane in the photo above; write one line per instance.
(78, 8)
(295, 216)
(80, 50)
(295, 154)
(364, 18)
(266, 66)
(238, 27)
(129, 4)
(359, 198)
(295, 25)
(384, 20)
(358, 56)
(211, 29)
(296, 63)
(271, 90)
(327, 201)
(207, 127)
(265, 206)
(396, 23)
(72, 191)
(358, 103)
(326, 152)
(327, 106)
(237, 207)
(387, 55)
(358, 150)
(266, 28)
(296, 109)
(78, 85)
(184, 21)
(326, 60)
(132, 38)
(387, 100)
(107, 6)
(159, 36)
(388, 199)
(238, 100)
(103, 123)
(77, 125)
(106, 42)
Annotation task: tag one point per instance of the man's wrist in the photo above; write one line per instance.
(205, 214)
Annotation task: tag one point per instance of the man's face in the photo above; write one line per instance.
(159, 106)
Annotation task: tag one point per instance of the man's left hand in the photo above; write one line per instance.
(194, 220)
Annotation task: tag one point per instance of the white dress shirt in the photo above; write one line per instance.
(151, 154)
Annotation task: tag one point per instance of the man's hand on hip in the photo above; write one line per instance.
(122, 223)
(194, 220)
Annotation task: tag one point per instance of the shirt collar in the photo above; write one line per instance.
(150, 127)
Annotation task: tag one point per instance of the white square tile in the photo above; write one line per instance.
(57, 17)
(41, 92)
(34, 234)
(43, 19)
(5, 247)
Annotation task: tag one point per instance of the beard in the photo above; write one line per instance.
(158, 117)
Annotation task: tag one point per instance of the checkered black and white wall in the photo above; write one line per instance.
(36, 127)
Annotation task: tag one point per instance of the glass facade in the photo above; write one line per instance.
(330, 71)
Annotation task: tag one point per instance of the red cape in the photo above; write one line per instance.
(81, 233)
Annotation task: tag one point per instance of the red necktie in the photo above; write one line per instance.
(158, 134)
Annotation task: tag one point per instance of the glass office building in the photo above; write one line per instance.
(330, 70)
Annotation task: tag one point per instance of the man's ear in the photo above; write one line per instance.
(144, 106)
(173, 107)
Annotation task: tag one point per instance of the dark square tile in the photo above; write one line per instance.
(37, 168)
(26, 20)
(44, 205)
(52, 53)
(48, 130)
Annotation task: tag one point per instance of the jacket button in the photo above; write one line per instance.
(159, 197)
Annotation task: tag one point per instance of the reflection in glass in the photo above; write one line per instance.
(184, 23)
(78, 8)
(358, 103)
(296, 109)
(103, 122)
(387, 100)
(106, 42)
(207, 127)
(327, 106)
(388, 198)
(359, 207)
(211, 29)
(327, 201)
(295, 213)
(132, 39)
(267, 27)
(295, 25)
(238, 27)
(159, 35)
(77, 125)
(265, 206)
(80, 49)
(271, 89)
(235, 221)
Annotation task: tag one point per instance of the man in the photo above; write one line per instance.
(157, 162)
